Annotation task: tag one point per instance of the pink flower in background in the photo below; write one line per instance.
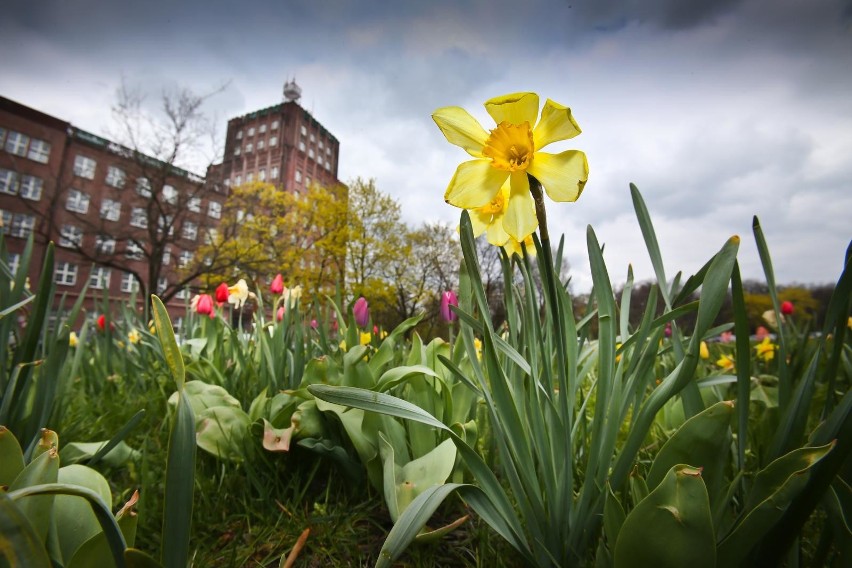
(761, 333)
(668, 330)
(787, 308)
(448, 299)
(361, 311)
(222, 293)
(280, 314)
(203, 305)
(277, 285)
(314, 324)
(726, 337)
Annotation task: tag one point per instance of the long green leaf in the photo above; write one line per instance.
(166, 335)
(19, 542)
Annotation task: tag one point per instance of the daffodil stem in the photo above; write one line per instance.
(540, 213)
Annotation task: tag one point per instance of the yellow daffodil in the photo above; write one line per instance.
(342, 345)
(618, 356)
(704, 351)
(489, 218)
(134, 336)
(477, 345)
(766, 349)
(725, 362)
(238, 293)
(365, 337)
(73, 340)
(508, 153)
(514, 247)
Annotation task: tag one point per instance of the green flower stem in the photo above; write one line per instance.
(540, 213)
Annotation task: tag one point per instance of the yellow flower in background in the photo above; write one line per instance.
(849, 322)
(766, 349)
(618, 356)
(704, 351)
(514, 247)
(134, 336)
(477, 344)
(238, 293)
(73, 340)
(508, 153)
(342, 345)
(365, 337)
(725, 362)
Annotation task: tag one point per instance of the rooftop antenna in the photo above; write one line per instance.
(292, 91)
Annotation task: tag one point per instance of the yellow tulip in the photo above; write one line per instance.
(704, 351)
(365, 338)
(73, 340)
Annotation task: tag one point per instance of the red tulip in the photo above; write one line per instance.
(448, 299)
(204, 304)
(361, 311)
(222, 293)
(280, 314)
(277, 285)
(787, 308)
(102, 322)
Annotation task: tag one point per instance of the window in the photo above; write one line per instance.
(259, 145)
(313, 139)
(311, 153)
(298, 176)
(170, 195)
(166, 222)
(167, 255)
(31, 187)
(143, 186)
(185, 258)
(190, 230)
(273, 173)
(77, 201)
(39, 151)
(8, 182)
(194, 204)
(249, 177)
(238, 180)
(328, 150)
(251, 131)
(110, 210)
(301, 145)
(129, 283)
(239, 134)
(236, 151)
(328, 165)
(84, 167)
(261, 175)
(138, 218)
(162, 284)
(14, 259)
(274, 125)
(134, 251)
(70, 236)
(307, 181)
(22, 225)
(249, 148)
(182, 294)
(16, 143)
(262, 129)
(104, 244)
(65, 274)
(7, 221)
(304, 130)
(210, 236)
(273, 141)
(116, 177)
(99, 278)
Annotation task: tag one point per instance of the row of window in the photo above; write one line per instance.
(78, 202)
(17, 224)
(260, 129)
(24, 146)
(13, 183)
(99, 279)
(261, 176)
(261, 144)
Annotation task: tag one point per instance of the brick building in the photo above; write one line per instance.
(122, 220)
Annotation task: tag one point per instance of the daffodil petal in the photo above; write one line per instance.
(556, 123)
(520, 220)
(497, 234)
(479, 221)
(516, 108)
(461, 129)
(563, 175)
(474, 184)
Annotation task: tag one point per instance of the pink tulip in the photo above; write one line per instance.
(787, 308)
(448, 299)
(204, 305)
(314, 324)
(277, 285)
(280, 314)
(726, 337)
(361, 311)
(762, 332)
(668, 330)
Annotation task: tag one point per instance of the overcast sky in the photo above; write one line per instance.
(717, 111)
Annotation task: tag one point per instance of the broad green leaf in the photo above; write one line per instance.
(11, 457)
(119, 455)
(222, 431)
(43, 469)
(19, 541)
(74, 521)
(670, 528)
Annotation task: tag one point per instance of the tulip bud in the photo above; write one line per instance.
(280, 313)
(787, 308)
(314, 324)
(203, 305)
(102, 322)
(222, 293)
(448, 299)
(277, 285)
(361, 311)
